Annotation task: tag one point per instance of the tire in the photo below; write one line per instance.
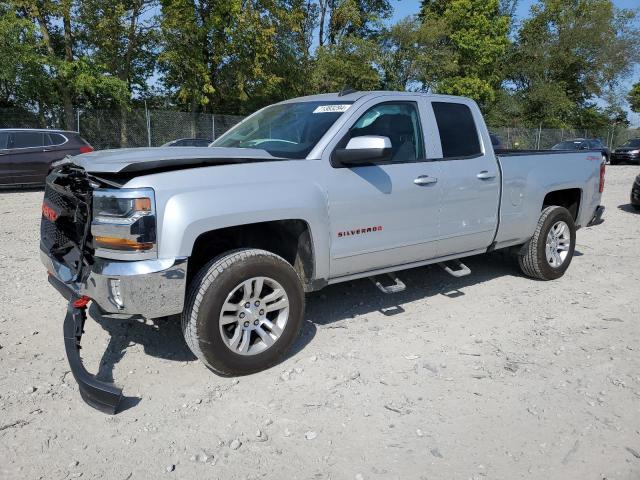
(636, 207)
(222, 282)
(534, 262)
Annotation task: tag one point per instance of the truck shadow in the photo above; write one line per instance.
(330, 308)
(335, 305)
(160, 337)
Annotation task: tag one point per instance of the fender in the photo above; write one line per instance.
(192, 202)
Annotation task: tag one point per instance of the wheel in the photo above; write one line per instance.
(636, 206)
(551, 248)
(244, 310)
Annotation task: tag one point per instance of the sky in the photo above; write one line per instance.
(403, 8)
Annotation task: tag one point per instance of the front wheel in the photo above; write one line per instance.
(550, 250)
(243, 312)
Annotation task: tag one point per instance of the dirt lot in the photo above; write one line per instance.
(490, 376)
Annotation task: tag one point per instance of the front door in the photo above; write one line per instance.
(384, 214)
(27, 153)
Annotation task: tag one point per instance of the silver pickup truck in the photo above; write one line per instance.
(301, 194)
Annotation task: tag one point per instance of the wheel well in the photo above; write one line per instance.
(291, 239)
(569, 199)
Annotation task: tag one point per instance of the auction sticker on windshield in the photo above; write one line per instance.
(331, 108)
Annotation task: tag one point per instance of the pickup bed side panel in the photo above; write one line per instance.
(196, 201)
(527, 179)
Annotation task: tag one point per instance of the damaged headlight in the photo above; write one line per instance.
(124, 223)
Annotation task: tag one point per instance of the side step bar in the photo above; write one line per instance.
(396, 287)
(461, 270)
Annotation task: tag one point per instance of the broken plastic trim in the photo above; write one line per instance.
(103, 396)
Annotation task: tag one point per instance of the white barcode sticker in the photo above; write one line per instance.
(331, 108)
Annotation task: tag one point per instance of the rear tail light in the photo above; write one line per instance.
(602, 172)
(86, 149)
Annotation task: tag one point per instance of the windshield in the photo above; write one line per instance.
(635, 143)
(570, 145)
(289, 130)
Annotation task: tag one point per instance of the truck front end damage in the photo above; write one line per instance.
(73, 245)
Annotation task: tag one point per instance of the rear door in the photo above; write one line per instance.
(469, 178)
(26, 151)
(6, 168)
(380, 216)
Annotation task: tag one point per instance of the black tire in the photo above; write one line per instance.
(207, 293)
(534, 261)
(636, 207)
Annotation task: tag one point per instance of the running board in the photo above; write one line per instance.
(397, 286)
(461, 270)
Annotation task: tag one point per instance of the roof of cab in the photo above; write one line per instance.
(352, 96)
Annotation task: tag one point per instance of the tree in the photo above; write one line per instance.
(232, 56)
(122, 36)
(568, 53)
(634, 98)
(338, 19)
(68, 73)
(477, 38)
(415, 56)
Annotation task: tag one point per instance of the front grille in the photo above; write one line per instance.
(66, 214)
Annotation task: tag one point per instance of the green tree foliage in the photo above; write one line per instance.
(476, 38)
(232, 56)
(567, 53)
(634, 98)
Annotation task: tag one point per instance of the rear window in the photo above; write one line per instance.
(26, 139)
(4, 140)
(53, 139)
(458, 134)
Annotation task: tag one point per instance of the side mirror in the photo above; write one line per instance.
(363, 150)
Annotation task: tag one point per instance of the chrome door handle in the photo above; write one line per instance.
(425, 180)
(485, 175)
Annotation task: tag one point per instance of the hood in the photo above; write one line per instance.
(137, 160)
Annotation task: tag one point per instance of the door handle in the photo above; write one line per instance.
(485, 175)
(425, 180)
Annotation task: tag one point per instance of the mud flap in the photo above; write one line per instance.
(100, 395)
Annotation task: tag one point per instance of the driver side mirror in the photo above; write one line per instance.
(363, 150)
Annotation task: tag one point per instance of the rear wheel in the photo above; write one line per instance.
(550, 250)
(244, 311)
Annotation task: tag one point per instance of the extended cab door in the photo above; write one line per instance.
(386, 213)
(469, 177)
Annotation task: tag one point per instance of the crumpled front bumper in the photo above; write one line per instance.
(597, 217)
(150, 288)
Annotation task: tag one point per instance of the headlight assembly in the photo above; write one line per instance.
(124, 223)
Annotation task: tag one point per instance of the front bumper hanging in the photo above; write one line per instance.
(103, 396)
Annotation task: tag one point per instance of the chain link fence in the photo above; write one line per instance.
(152, 128)
(133, 128)
(545, 138)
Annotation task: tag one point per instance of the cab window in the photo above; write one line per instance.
(400, 122)
(457, 129)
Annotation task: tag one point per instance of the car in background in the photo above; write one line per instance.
(629, 152)
(188, 142)
(26, 154)
(635, 194)
(584, 144)
(496, 141)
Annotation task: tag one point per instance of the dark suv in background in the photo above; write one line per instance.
(629, 152)
(584, 144)
(27, 154)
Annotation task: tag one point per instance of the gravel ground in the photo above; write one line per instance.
(490, 376)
